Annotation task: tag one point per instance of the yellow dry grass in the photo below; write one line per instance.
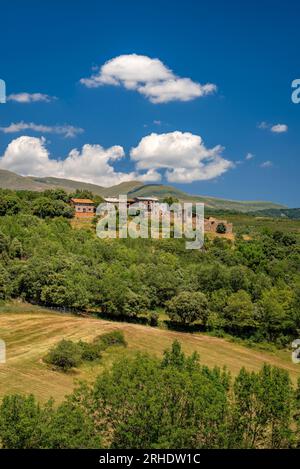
(29, 332)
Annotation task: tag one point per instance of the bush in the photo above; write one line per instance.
(68, 354)
(111, 338)
(65, 355)
(89, 352)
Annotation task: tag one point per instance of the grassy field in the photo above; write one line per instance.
(255, 224)
(30, 331)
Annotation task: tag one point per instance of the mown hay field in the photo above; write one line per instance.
(29, 332)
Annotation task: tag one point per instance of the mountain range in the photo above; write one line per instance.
(13, 181)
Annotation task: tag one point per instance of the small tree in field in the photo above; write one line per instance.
(188, 307)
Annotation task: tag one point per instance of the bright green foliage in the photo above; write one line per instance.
(143, 402)
(24, 424)
(239, 311)
(263, 409)
(68, 354)
(65, 355)
(19, 416)
(45, 207)
(173, 404)
(111, 338)
(9, 205)
(188, 307)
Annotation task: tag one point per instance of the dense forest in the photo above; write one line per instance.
(173, 402)
(249, 288)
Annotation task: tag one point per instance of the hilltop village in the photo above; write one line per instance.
(85, 209)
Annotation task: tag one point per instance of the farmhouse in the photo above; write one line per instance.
(116, 201)
(86, 208)
(83, 207)
(150, 202)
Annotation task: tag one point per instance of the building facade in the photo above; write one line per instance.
(84, 208)
(150, 202)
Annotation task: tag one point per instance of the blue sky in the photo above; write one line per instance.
(248, 50)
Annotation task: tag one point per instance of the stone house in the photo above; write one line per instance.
(83, 208)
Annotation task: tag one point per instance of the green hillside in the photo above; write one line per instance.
(10, 180)
(68, 184)
(291, 213)
(121, 189)
(162, 191)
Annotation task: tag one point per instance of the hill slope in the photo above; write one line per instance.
(162, 191)
(31, 331)
(291, 213)
(10, 180)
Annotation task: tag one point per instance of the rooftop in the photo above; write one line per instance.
(82, 201)
(151, 199)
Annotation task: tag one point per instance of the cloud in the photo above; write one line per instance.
(279, 128)
(177, 89)
(29, 156)
(266, 164)
(275, 128)
(65, 130)
(150, 176)
(26, 98)
(149, 77)
(263, 125)
(182, 155)
(249, 156)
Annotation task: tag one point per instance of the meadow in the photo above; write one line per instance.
(30, 331)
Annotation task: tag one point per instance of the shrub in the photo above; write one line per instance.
(65, 355)
(89, 352)
(111, 338)
(68, 354)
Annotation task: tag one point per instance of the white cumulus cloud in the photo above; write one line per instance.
(26, 98)
(29, 156)
(65, 130)
(182, 155)
(150, 77)
(275, 128)
(279, 128)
